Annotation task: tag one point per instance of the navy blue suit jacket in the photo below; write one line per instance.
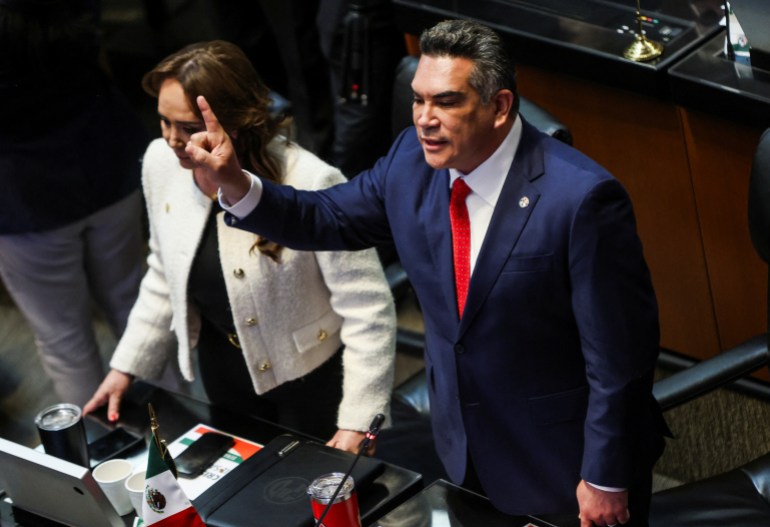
(547, 377)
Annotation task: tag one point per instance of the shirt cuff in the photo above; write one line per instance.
(606, 489)
(247, 203)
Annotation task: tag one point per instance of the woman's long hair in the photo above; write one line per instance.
(223, 74)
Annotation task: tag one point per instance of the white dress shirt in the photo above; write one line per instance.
(486, 183)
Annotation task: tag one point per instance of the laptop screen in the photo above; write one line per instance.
(53, 488)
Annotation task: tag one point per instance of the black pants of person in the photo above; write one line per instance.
(308, 404)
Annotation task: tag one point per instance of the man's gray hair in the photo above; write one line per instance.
(493, 69)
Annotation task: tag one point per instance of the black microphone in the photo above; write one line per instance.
(374, 430)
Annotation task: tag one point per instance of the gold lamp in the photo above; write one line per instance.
(642, 49)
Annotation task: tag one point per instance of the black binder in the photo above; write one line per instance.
(270, 488)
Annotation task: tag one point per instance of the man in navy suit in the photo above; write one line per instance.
(541, 384)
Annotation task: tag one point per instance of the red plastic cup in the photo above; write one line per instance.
(344, 511)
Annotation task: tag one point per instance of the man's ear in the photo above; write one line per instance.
(503, 101)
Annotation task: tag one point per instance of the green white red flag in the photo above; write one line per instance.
(165, 503)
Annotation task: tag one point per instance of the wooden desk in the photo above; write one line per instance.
(443, 504)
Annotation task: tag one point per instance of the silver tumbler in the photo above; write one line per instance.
(62, 433)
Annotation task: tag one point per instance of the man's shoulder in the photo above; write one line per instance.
(564, 161)
(408, 145)
(562, 171)
(405, 157)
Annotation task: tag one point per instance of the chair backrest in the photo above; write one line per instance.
(401, 108)
(759, 198)
(759, 205)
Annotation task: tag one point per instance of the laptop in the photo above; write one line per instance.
(53, 488)
(270, 488)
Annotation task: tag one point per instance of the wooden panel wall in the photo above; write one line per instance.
(641, 141)
(720, 154)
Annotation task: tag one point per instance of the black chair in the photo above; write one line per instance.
(741, 496)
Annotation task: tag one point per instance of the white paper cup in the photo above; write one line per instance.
(111, 477)
(135, 488)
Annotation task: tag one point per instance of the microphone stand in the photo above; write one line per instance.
(374, 430)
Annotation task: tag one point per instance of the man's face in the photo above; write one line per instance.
(455, 129)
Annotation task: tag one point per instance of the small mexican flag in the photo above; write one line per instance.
(165, 504)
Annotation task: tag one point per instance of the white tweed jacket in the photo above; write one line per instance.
(290, 316)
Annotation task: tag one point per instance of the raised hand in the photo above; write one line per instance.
(215, 158)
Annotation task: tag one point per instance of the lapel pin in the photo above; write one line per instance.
(524, 202)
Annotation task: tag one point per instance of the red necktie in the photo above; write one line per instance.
(461, 240)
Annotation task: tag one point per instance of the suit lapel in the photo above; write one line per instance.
(439, 235)
(518, 199)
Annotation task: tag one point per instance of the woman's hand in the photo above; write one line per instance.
(110, 392)
(213, 153)
(350, 441)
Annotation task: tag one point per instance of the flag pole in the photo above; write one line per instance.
(160, 443)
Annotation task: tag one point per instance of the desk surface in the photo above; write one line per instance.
(177, 414)
(443, 504)
(706, 80)
(585, 38)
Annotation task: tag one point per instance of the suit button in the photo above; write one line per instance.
(238, 273)
(322, 335)
(251, 321)
(459, 349)
(265, 366)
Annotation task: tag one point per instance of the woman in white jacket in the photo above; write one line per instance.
(304, 339)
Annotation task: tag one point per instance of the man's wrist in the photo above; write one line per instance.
(606, 489)
(248, 202)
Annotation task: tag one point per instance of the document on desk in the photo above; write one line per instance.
(242, 450)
